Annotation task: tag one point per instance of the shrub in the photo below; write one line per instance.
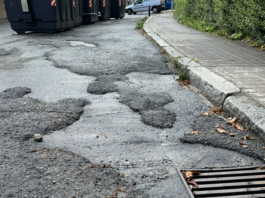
(238, 18)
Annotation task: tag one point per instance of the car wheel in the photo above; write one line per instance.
(130, 12)
(154, 9)
(135, 13)
(20, 32)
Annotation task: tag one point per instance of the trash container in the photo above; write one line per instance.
(90, 11)
(117, 9)
(77, 11)
(39, 15)
(104, 10)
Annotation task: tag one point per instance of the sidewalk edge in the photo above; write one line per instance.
(216, 89)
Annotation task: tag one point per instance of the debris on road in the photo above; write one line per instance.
(38, 137)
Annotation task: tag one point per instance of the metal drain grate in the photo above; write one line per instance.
(246, 182)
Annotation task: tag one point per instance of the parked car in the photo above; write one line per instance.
(168, 4)
(143, 5)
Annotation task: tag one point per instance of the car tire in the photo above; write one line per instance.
(130, 12)
(135, 13)
(154, 10)
(20, 32)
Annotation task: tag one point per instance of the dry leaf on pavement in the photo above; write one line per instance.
(231, 121)
(244, 146)
(232, 134)
(125, 175)
(194, 133)
(248, 137)
(217, 110)
(206, 114)
(239, 127)
(217, 126)
(243, 143)
(222, 131)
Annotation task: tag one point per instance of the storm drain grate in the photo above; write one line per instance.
(248, 182)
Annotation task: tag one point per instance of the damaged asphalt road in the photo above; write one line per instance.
(110, 112)
(234, 140)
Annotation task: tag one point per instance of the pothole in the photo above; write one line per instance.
(78, 43)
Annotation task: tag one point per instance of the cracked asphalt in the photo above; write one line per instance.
(110, 112)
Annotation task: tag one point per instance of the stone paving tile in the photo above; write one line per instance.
(236, 62)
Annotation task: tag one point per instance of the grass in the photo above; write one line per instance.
(140, 24)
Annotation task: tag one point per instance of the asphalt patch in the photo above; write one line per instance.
(105, 84)
(28, 170)
(161, 118)
(60, 173)
(41, 117)
(149, 105)
(208, 135)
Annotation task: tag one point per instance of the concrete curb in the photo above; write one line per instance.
(216, 89)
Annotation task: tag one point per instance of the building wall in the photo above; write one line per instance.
(2, 10)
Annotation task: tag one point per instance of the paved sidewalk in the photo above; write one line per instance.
(236, 62)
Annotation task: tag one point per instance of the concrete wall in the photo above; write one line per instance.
(2, 10)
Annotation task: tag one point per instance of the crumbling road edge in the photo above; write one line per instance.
(216, 89)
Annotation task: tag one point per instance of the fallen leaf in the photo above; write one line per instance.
(231, 121)
(233, 125)
(232, 134)
(194, 133)
(228, 141)
(199, 91)
(222, 131)
(103, 135)
(217, 126)
(194, 183)
(244, 146)
(186, 82)
(206, 114)
(188, 175)
(125, 175)
(239, 127)
(243, 143)
(263, 147)
(248, 137)
(217, 110)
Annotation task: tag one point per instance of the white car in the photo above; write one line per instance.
(143, 5)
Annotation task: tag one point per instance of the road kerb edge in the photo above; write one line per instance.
(216, 89)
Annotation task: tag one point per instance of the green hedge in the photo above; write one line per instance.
(242, 17)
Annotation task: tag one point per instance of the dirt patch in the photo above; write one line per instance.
(208, 135)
